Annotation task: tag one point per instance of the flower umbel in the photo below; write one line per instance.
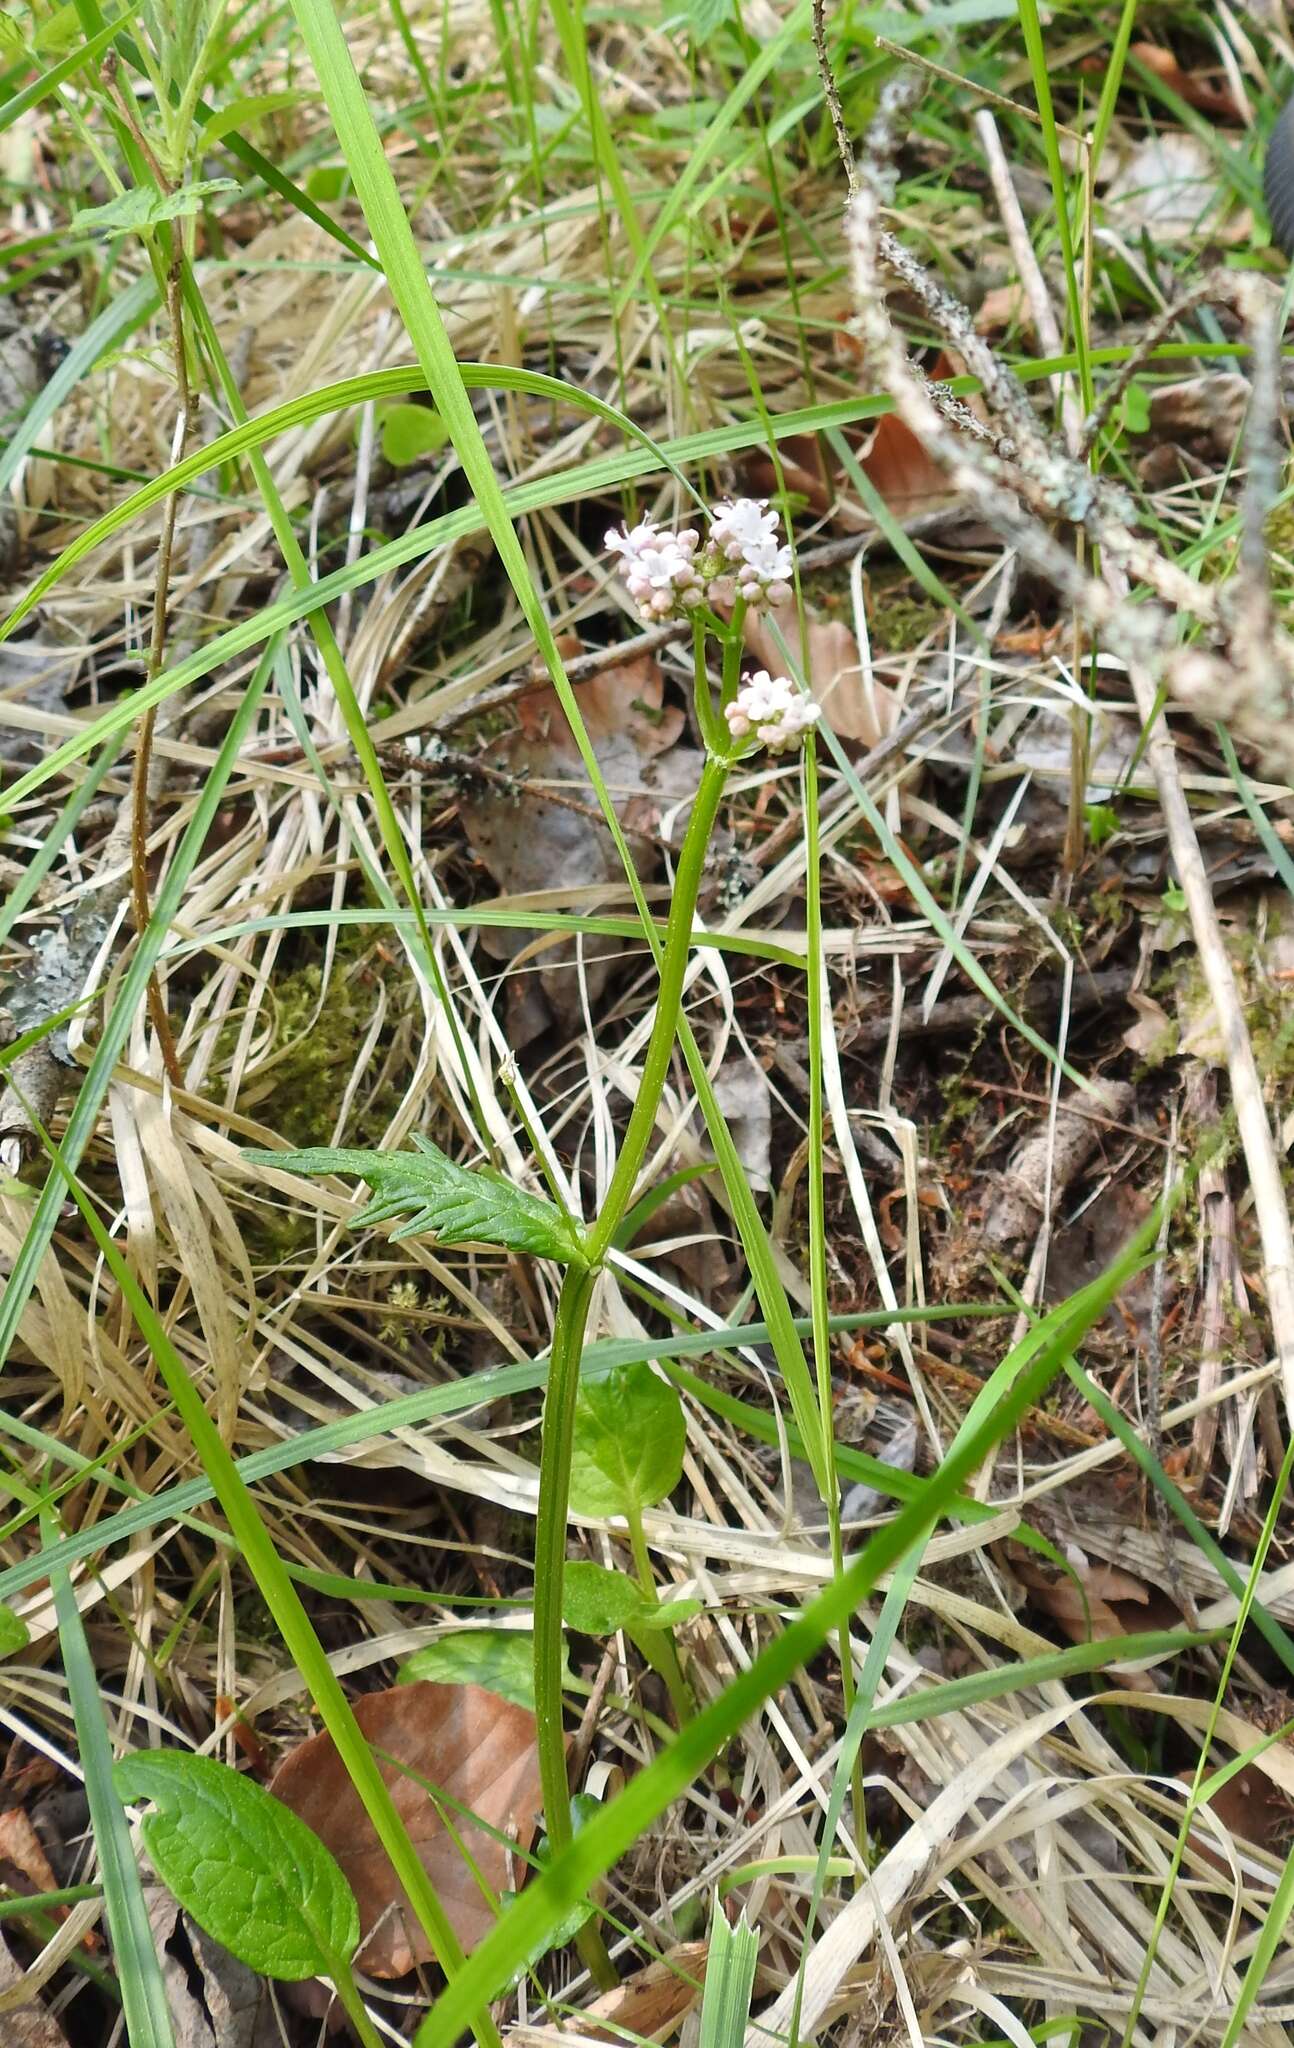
(773, 710)
(668, 574)
(658, 568)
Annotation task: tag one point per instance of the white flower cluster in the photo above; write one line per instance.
(742, 558)
(658, 568)
(744, 532)
(773, 709)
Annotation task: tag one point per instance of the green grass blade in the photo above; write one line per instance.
(410, 288)
(143, 1993)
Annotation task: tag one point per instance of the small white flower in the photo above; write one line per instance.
(764, 573)
(741, 523)
(773, 709)
(659, 568)
(743, 532)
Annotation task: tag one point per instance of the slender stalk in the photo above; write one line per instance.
(571, 1321)
(663, 1654)
(343, 1983)
(815, 990)
(642, 1120)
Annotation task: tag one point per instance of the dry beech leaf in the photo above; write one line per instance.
(530, 845)
(22, 1854)
(467, 1742)
(1007, 305)
(653, 2002)
(1105, 1604)
(1250, 1806)
(833, 669)
(1167, 187)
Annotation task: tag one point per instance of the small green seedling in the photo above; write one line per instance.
(729, 1981)
(253, 1875)
(627, 1454)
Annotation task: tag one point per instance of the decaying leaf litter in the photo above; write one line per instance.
(1019, 1834)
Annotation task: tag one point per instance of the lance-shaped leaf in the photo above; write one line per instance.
(447, 1202)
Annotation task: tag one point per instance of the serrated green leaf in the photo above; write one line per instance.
(14, 1633)
(500, 1659)
(627, 1451)
(447, 1201)
(242, 1864)
(598, 1601)
(145, 206)
(411, 431)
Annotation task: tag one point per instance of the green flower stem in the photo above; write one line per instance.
(732, 652)
(572, 1318)
(678, 933)
(712, 732)
(663, 1655)
(815, 990)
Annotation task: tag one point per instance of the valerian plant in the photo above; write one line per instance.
(713, 580)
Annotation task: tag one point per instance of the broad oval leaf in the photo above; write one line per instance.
(499, 1660)
(242, 1864)
(627, 1451)
(14, 1633)
(446, 1201)
(598, 1601)
(411, 431)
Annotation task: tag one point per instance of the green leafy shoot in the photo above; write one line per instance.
(411, 431)
(144, 207)
(729, 1981)
(243, 1865)
(627, 1451)
(597, 1601)
(442, 1200)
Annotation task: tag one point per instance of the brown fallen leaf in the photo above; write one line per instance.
(30, 2026)
(1105, 1604)
(654, 2001)
(1195, 87)
(22, 1856)
(466, 1742)
(1007, 305)
(833, 670)
(1250, 1806)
